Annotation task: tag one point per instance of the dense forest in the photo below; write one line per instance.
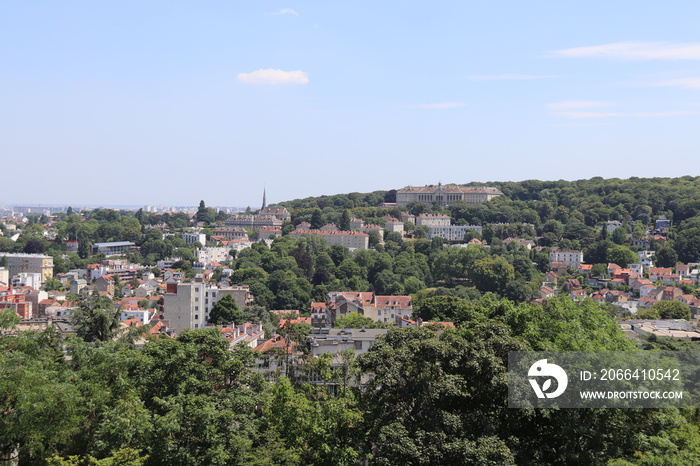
(434, 398)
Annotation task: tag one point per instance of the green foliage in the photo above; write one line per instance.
(8, 319)
(491, 274)
(666, 257)
(356, 320)
(225, 310)
(621, 255)
(670, 310)
(95, 319)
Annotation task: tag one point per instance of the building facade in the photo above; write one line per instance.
(571, 257)
(29, 263)
(445, 195)
(187, 305)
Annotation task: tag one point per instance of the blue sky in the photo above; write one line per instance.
(167, 102)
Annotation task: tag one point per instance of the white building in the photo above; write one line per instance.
(433, 220)
(208, 255)
(187, 305)
(451, 232)
(35, 280)
(445, 195)
(144, 315)
(191, 238)
(571, 257)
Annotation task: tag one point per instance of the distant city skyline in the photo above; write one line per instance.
(170, 103)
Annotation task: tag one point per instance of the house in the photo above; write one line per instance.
(367, 304)
(572, 284)
(550, 278)
(659, 273)
(571, 257)
(671, 293)
(105, 284)
(635, 284)
(613, 268)
(616, 296)
(394, 225)
(578, 295)
(560, 268)
(251, 335)
(683, 270)
(269, 232)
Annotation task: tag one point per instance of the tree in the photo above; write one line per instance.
(666, 257)
(599, 270)
(225, 310)
(205, 214)
(671, 310)
(96, 319)
(619, 236)
(621, 255)
(356, 320)
(491, 274)
(8, 319)
(317, 220)
(344, 223)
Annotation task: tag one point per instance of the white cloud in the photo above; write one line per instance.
(633, 50)
(285, 11)
(569, 104)
(579, 115)
(272, 76)
(442, 106)
(686, 83)
(508, 77)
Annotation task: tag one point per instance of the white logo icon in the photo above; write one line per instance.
(542, 369)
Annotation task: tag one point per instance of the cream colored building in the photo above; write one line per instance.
(444, 195)
(29, 263)
(433, 220)
(253, 222)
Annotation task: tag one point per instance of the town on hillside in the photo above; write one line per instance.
(323, 292)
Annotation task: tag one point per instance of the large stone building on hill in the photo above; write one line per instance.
(445, 195)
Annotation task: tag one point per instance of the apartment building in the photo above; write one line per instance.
(29, 263)
(187, 305)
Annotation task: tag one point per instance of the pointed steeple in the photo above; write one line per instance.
(264, 201)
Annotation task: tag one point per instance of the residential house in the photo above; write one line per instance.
(571, 257)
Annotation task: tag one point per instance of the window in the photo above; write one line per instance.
(196, 317)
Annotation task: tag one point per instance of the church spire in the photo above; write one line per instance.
(264, 201)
